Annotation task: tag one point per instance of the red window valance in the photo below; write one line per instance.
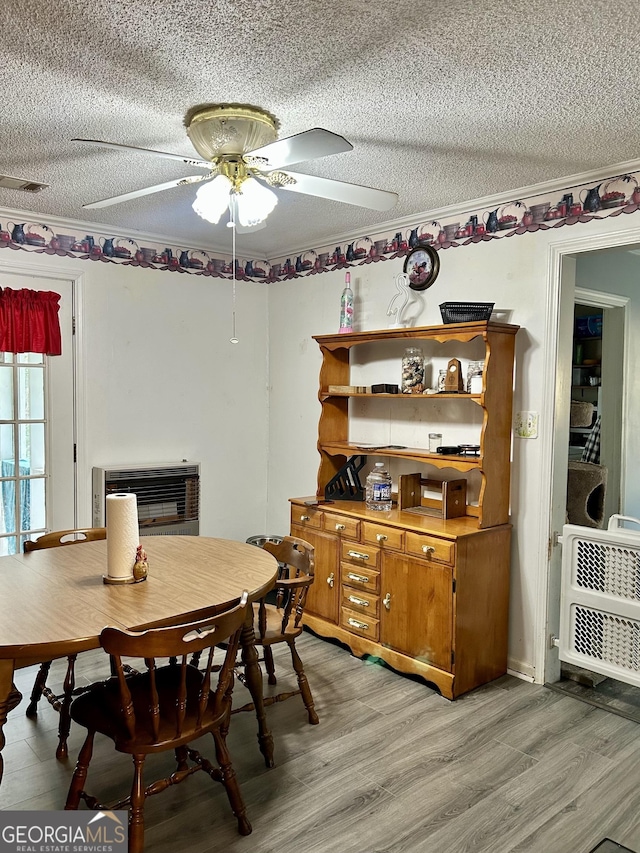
(29, 321)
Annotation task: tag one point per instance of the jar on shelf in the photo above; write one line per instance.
(412, 371)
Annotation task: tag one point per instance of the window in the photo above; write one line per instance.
(23, 458)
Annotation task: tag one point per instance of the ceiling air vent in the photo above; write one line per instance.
(9, 183)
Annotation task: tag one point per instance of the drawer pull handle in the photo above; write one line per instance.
(305, 518)
(362, 602)
(330, 580)
(356, 623)
(428, 549)
(340, 527)
(357, 555)
(381, 537)
(359, 578)
(387, 601)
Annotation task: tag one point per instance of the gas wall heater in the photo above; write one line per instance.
(600, 600)
(168, 496)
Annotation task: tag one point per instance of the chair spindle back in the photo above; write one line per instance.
(295, 576)
(191, 694)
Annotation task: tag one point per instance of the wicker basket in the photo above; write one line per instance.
(465, 312)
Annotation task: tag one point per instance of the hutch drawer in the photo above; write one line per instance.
(439, 550)
(343, 525)
(363, 602)
(360, 555)
(360, 577)
(358, 623)
(304, 516)
(383, 537)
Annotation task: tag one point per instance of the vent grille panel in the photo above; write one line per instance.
(9, 183)
(605, 637)
(608, 568)
(167, 496)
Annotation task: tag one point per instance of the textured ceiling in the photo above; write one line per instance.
(443, 101)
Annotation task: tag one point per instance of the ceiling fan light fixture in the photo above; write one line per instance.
(254, 202)
(212, 199)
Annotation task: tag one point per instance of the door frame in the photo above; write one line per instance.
(560, 294)
(67, 272)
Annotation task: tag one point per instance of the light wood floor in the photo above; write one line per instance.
(392, 768)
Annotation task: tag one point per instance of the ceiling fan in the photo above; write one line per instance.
(244, 159)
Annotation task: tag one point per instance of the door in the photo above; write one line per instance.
(417, 608)
(322, 597)
(37, 430)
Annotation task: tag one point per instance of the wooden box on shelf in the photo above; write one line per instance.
(452, 502)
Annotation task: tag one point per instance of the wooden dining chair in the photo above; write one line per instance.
(61, 701)
(280, 622)
(162, 708)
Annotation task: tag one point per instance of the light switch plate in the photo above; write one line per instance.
(526, 425)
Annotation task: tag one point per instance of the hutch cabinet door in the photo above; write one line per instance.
(417, 609)
(323, 594)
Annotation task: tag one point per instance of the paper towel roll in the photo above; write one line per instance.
(123, 536)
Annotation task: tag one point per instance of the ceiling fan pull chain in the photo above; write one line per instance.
(233, 339)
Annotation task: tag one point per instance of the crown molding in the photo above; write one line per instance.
(555, 185)
(447, 212)
(100, 228)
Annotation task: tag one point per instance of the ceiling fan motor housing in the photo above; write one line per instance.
(221, 130)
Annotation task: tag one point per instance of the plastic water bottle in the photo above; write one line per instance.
(378, 488)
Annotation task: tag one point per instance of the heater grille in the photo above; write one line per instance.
(600, 600)
(168, 496)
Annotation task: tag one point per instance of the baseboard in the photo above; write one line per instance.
(521, 670)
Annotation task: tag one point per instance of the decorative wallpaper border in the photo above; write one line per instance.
(575, 205)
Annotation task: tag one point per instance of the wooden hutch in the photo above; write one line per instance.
(428, 595)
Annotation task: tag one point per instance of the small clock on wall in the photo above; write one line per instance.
(422, 265)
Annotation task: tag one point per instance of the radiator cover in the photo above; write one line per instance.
(600, 599)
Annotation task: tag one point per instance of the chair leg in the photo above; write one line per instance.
(230, 783)
(80, 773)
(303, 684)
(64, 726)
(269, 665)
(136, 811)
(181, 757)
(38, 687)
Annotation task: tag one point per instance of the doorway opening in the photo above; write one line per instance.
(593, 367)
(594, 487)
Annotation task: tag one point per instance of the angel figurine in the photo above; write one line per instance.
(402, 286)
(141, 565)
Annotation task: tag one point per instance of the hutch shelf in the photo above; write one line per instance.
(428, 595)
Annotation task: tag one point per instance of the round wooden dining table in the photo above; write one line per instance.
(54, 603)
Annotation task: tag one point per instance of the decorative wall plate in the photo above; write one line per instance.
(422, 265)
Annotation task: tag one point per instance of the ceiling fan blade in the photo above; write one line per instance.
(308, 145)
(190, 161)
(341, 191)
(249, 229)
(107, 202)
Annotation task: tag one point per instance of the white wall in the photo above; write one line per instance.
(161, 382)
(618, 271)
(513, 273)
